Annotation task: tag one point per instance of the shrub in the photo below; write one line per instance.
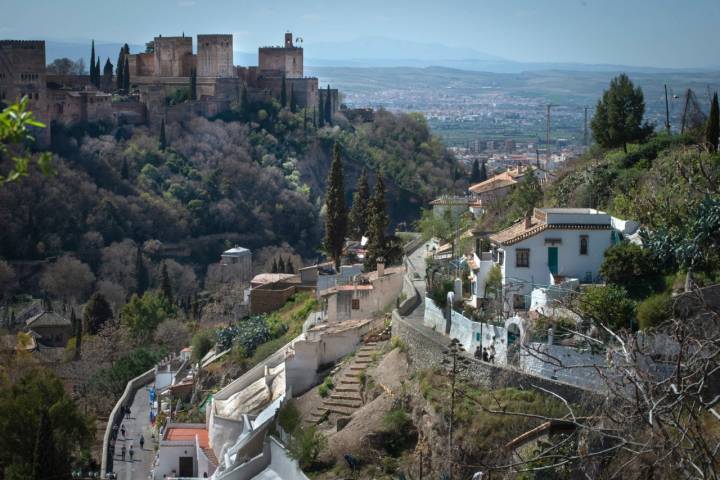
(397, 342)
(289, 417)
(325, 387)
(632, 267)
(202, 343)
(608, 305)
(305, 445)
(654, 310)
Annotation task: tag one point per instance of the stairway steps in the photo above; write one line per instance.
(348, 388)
(348, 380)
(333, 402)
(341, 410)
(346, 396)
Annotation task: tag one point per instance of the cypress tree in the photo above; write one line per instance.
(321, 110)
(283, 93)
(274, 266)
(107, 75)
(119, 69)
(126, 76)
(281, 265)
(43, 465)
(125, 170)
(483, 171)
(712, 131)
(336, 214)
(78, 330)
(289, 267)
(97, 73)
(376, 246)
(141, 274)
(163, 138)
(165, 285)
(328, 107)
(305, 119)
(97, 312)
(358, 216)
(245, 106)
(475, 174)
(92, 63)
(193, 84)
(293, 106)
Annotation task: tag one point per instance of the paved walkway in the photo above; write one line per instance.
(138, 423)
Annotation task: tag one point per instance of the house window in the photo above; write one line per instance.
(522, 257)
(583, 244)
(356, 304)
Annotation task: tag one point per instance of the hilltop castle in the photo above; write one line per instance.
(167, 66)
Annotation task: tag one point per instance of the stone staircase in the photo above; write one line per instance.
(347, 396)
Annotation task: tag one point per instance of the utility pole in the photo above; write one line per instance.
(667, 112)
(547, 157)
(585, 130)
(456, 364)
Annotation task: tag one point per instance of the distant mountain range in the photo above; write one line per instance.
(376, 52)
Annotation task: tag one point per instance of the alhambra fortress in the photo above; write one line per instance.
(167, 66)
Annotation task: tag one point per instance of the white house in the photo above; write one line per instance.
(236, 264)
(552, 246)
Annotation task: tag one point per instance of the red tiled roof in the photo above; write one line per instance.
(182, 434)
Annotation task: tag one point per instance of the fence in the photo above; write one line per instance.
(117, 414)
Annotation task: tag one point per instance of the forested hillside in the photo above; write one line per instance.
(255, 178)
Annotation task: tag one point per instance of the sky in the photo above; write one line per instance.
(662, 33)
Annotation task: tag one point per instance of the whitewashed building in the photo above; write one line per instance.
(550, 247)
(236, 265)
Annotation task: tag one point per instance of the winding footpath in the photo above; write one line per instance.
(138, 423)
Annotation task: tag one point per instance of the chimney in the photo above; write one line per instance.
(380, 267)
(528, 222)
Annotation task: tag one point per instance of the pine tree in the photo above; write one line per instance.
(712, 131)
(142, 278)
(125, 170)
(293, 105)
(126, 76)
(281, 265)
(328, 107)
(475, 174)
(165, 285)
(274, 266)
(358, 217)
(376, 246)
(619, 115)
(163, 138)
(283, 92)
(483, 171)
(193, 84)
(336, 214)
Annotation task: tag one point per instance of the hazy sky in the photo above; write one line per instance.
(670, 33)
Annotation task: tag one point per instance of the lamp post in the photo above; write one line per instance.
(454, 363)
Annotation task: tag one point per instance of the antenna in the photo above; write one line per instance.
(667, 112)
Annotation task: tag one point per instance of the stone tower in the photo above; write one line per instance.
(173, 56)
(22, 73)
(288, 40)
(286, 60)
(214, 56)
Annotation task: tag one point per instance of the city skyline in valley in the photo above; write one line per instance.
(654, 33)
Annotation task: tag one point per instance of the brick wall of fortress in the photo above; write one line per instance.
(173, 56)
(288, 60)
(215, 56)
(22, 72)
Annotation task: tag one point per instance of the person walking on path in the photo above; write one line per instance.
(131, 454)
(142, 443)
(492, 353)
(122, 452)
(122, 430)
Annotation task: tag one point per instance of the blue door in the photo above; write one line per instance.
(553, 260)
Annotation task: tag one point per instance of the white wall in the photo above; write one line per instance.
(566, 364)
(168, 458)
(570, 262)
